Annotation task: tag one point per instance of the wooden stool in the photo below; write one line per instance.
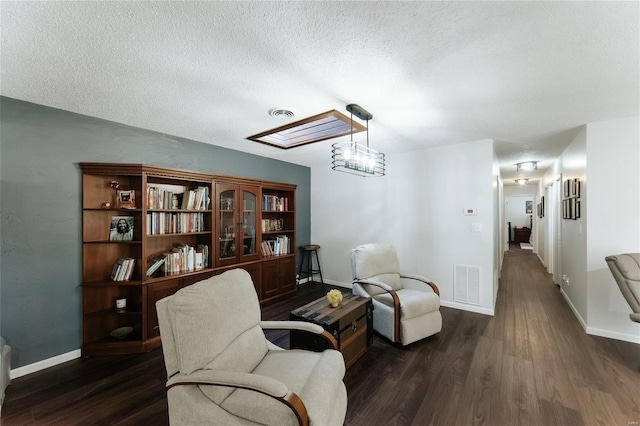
(309, 272)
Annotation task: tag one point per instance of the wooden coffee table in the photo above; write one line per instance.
(351, 323)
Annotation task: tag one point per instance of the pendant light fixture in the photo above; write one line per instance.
(352, 157)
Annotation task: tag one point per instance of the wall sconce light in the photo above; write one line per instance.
(527, 166)
(522, 181)
(351, 157)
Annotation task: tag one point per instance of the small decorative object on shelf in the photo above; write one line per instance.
(125, 198)
(334, 297)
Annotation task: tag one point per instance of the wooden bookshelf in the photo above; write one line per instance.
(200, 224)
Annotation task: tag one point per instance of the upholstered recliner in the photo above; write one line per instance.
(406, 307)
(626, 270)
(222, 369)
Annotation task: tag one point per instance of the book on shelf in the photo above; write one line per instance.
(185, 258)
(272, 225)
(164, 196)
(156, 263)
(177, 197)
(159, 223)
(276, 247)
(274, 203)
(196, 199)
(204, 249)
(123, 269)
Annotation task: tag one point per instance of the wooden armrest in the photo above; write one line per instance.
(301, 326)
(424, 280)
(380, 284)
(396, 304)
(253, 382)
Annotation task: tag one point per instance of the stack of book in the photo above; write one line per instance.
(159, 223)
(272, 225)
(181, 259)
(276, 247)
(273, 203)
(197, 199)
(176, 197)
(123, 269)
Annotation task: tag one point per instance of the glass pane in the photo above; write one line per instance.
(227, 224)
(249, 222)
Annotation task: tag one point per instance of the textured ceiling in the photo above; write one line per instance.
(525, 74)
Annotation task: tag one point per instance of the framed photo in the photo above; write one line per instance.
(567, 208)
(575, 190)
(576, 209)
(567, 188)
(542, 206)
(528, 207)
(121, 228)
(126, 198)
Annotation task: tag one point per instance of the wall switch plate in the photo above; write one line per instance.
(470, 211)
(476, 227)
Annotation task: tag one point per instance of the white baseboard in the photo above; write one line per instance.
(613, 335)
(573, 308)
(45, 363)
(599, 331)
(465, 307)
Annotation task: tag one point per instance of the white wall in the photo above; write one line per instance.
(418, 206)
(613, 222)
(605, 156)
(574, 238)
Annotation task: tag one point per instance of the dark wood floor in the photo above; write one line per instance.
(530, 364)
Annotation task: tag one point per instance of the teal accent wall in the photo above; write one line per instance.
(41, 225)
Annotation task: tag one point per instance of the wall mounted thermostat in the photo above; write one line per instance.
(470, 212)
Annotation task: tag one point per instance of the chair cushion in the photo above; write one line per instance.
(200, 317)
(369, 260)
(413, 303)
(316, 377)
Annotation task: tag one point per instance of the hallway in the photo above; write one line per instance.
(552, 371)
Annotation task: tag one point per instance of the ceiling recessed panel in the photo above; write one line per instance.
(328, 125)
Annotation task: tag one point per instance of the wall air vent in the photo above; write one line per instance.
(466, 284)
(328, 125)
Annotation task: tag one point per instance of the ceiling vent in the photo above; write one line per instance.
(328, 125)
(281, 113)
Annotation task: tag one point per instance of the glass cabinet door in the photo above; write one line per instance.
(249, 223)
(228, 224)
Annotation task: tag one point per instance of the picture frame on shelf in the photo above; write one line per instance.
(121, 228)
(126, 198)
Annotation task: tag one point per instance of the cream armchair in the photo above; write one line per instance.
(406, 307)
(626, 270)
(222, 370)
